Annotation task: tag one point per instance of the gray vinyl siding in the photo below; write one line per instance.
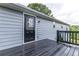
(45, 29)
(11, 28)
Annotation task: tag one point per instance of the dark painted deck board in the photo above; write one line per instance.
(10, 51)
(52, 51)
(33, 50)
(42, 51)
(36, 51)
(42, 48)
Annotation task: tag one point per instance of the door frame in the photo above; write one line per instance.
(24, 27)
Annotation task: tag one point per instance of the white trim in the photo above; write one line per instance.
(36, 29)
(33, 41)
(29, 42)
(28, 14)
(23, 28)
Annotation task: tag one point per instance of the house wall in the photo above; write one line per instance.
(11, 28)
(45, 29)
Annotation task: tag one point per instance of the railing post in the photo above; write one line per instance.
(76, 38)
(57, 36)
(70, 37)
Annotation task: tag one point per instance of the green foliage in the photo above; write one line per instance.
(74, 28)
(41, 8)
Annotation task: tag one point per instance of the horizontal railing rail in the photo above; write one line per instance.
(71, 37)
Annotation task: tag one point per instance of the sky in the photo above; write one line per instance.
(64, 10)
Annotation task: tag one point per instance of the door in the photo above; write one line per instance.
(29, 29)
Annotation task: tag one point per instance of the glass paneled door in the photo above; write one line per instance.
(29, 29)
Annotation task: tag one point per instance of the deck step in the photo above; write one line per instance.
(71, 51)
(59, 53)
(66, 51)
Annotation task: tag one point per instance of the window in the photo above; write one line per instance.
(39, 21)
(30, 22)
(61, 26)
(53, 26)
(66, 29)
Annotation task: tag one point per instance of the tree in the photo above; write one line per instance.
(74, 28)
(41, 8)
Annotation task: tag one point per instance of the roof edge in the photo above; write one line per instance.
(21, 7)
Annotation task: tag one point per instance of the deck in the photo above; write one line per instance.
(42, 48)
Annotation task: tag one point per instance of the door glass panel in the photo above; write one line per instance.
(30, 24)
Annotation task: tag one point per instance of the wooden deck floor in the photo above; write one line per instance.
(42, 48)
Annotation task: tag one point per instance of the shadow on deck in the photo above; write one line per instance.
(41, 48)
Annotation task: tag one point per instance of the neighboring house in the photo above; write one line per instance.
(20, 25)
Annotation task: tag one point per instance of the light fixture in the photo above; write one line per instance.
(39, 21)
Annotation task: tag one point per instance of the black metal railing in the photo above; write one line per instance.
(71, 37)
